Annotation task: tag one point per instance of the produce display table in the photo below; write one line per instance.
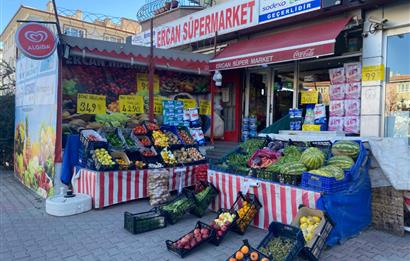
(279, 202)
(108, 188)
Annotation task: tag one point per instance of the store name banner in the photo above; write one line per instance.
(223, 18)
(286, 55)
(272, 10)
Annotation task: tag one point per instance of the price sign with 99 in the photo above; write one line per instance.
(131, 104)
(90, 104)
(373, 73)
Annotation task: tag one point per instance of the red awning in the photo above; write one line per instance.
(301, 43)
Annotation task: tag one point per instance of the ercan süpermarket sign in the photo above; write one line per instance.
(35, 41)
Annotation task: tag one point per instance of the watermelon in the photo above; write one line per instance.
(344, 162)
(346, 148)
(330, 172)
(312, 158)
(292, 168)
(292, 151)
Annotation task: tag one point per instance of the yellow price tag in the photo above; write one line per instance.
(189, 103)
(143, 84)
(310, 127)
(373, 73)
(90, 103)
(158, 104)
(131, 104)
(309, 97)
(204, 107)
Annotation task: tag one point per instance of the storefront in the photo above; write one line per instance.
(275, 68)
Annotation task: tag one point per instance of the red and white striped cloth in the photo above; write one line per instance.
(112, 187)
(279, 202)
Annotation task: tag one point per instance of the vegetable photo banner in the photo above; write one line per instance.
(35, 123)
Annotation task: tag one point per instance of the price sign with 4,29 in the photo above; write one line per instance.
(131, 104)
(90, 104)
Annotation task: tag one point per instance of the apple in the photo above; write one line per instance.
(224, 228)
(220, 233)
(197, 231)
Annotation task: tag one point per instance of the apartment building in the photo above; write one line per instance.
(73, 23)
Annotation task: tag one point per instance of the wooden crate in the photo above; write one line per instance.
(388, 210)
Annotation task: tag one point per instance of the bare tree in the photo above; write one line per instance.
(7, 78)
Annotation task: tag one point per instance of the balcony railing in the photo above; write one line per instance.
(153, 8)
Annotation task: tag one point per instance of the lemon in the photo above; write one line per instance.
(316, 219)
(303, 226)
(303, 220)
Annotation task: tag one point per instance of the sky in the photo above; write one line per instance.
(117, 8)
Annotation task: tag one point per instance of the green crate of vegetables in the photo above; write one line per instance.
(203, 195)
(177, 208)
(143, 222)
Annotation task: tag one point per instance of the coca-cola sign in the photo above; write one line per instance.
(308, 53)
(35, 40)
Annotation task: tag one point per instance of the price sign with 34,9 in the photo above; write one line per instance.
(90, 103)
(131, 104)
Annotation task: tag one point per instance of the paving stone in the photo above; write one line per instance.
(28, 233)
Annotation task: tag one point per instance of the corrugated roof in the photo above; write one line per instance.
(134, 50)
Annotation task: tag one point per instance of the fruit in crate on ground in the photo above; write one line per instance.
(278, 247)
(344, 162)
(103, 157)
(222, 223)
(312, 158)
(190, 240)
(245, 215)
(160, 139)
(346, 148)
(139, 130)
(308, 225)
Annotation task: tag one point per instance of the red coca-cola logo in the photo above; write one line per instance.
(298, 54)
(35, 41)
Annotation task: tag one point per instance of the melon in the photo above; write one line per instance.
(344, 162)
(312, 158)
(346, 148)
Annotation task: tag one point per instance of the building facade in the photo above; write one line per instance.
(73, 23)
(376, 37)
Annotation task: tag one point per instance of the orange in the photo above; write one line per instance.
(239, 255)
(232, 259)
(265, 259)
(254, 256)
(245, 250)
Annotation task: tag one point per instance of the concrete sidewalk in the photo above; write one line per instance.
(28, 233)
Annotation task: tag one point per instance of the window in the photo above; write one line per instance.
(397, 99)
(112, 38)
(73, 31)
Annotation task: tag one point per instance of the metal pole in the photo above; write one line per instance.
(151, 74)
(57, 19)
(213, 96)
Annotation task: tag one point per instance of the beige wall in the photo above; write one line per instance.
(96, 30)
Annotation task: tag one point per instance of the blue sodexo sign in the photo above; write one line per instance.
(271, 10)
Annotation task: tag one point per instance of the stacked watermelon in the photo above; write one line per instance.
(344, 162)
(346, 148)
(312, 158)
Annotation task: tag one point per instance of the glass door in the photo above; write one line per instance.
(257, 97)
(397, 89)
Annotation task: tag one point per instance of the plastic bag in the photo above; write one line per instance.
(352, 90)
(337, 108)
(337, 75)
(263, 158)
(336, 124)
(158, 186)
(352, 124)
(352, 107)
(337, 92)
(353, 72)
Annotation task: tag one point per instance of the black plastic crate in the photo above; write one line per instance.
(243, 222)
(144, 222)
(267, 175)
(183, 252)
(173, 217)
(90, 144)
(247, 256)
(288, 232)
(201, 206)
(324, 146)
(218, 239)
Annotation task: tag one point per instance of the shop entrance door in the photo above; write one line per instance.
(282, 93)
(231, 104)
(258, 97)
